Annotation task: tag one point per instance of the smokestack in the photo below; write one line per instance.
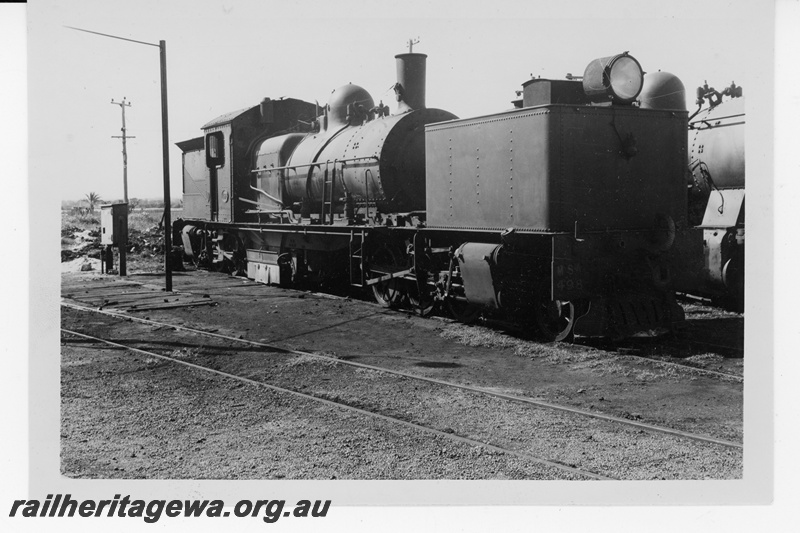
(410, 86)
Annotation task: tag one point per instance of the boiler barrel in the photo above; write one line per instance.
(381, 161)
(716, 144)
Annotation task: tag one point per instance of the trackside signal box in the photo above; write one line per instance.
(114, 225)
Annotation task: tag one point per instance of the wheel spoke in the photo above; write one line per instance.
(423, 306)
(386, 293)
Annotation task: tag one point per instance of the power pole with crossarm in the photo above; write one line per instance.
(124, 137)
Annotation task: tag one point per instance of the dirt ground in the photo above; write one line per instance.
(127, 415)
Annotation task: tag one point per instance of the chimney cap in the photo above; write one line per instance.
(410, 54)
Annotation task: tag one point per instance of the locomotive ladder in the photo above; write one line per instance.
(328, 187)
(358, 240)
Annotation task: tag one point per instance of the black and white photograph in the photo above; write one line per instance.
(328, 255)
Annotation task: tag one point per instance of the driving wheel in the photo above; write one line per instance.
(384, 261)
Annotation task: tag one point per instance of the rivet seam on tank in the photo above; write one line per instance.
(450, 166)
(511, 172)
(478, 176)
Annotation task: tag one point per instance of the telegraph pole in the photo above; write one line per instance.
(123, 271)
(123, 105)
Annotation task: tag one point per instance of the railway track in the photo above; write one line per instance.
(731, 349)
(572, 411)
(632, 350)
(726, 349)
(684, 367)
(628, 353)
(340, 405)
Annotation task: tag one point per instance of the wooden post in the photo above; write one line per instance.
(108, 258)
(123, 264)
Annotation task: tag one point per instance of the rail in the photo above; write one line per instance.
(347, 407)
(488, 392)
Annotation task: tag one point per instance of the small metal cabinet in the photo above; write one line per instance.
(114, 224)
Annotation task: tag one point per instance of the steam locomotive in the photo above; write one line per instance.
(712, 250)
(558, 215)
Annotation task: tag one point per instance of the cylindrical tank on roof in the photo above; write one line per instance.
(662, 90)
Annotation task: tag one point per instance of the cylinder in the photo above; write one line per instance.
(411, 76)
(478, 262)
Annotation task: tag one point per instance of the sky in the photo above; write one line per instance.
(224, 55)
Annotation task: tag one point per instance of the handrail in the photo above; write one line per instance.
(314, 164)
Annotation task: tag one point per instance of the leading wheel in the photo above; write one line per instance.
(555, 319)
